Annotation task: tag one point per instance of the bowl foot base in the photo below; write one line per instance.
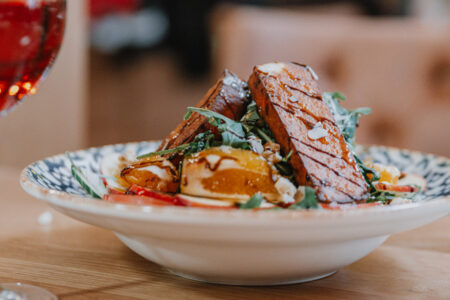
(247, 282)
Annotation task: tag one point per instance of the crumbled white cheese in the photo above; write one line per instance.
(285, 187)
(287, 199)
(299, 194)
(293, 99)
(256, 144)
(317, 132)
(272, 68)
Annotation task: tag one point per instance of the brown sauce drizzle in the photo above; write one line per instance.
(323, 183)
(146, 178)
(291, 108)
(310, 70)
(142, 164)
(308, 124)
(296, 106)
(320, 150)
(214, 167)
(328, 167)
(281, 83)
(343, 145)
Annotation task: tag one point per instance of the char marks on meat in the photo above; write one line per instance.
(288, 98)
(227, 97)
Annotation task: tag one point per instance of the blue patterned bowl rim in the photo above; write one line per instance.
(50, 180)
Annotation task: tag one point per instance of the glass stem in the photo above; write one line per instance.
(6, 294)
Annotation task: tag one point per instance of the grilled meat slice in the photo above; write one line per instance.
(288, 98)
(227, 97)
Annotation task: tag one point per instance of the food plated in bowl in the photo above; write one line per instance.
(274, 142)
(260, 184)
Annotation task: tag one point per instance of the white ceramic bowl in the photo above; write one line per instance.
(244, 247)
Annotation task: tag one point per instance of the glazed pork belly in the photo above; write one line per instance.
(289, 100)
(227, 97)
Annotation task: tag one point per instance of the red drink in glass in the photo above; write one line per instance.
(31, 33)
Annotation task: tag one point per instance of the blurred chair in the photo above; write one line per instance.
(55, 119)
(399, 67)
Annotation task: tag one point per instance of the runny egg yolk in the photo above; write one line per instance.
(388, 174)
(227, 173)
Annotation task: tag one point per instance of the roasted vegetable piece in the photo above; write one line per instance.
(136, 190)
(227, 97)
(289, 100)
(227, 173)
(155, 173)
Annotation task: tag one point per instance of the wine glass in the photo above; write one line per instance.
(31, 33)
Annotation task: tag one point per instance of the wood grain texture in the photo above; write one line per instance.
(78, 261)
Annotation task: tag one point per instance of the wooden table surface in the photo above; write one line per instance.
(79, 261)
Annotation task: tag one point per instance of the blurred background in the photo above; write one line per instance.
(129, 68)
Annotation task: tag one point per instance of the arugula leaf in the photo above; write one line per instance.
(347, 120)
(232, 132)
(288, 156)
(162, 152)
(92, 184)
(251, 117)
(284, 168)
(384, 197)
(254, 202)
(201, 142)
(263, 133)
(338, 95)
(253, 124)
(365, 170)
(308, 202)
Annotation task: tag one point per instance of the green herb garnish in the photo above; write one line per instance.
(254, 202)
(287, 157)
(347, 120)
(384, 197)
(251, 117)
(232, 132)
(162, 152)
(253, 124)
(284, 168)
(91, 183)
(263, 134)
(202, 141)
(365, 170)
(308, 202)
